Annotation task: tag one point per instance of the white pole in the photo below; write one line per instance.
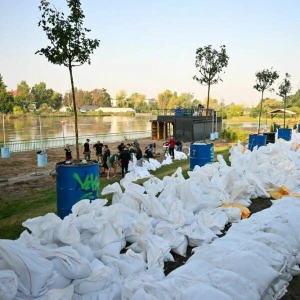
(216, 121)
(4, 131)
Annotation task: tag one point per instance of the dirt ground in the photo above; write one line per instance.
(20, 174)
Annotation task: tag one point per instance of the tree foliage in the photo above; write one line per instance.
(6, 99)
(264, 81)
(285, 88)
(210, 64)
(69, 45)
(166, 100)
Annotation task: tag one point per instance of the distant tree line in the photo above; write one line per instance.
(40, 98)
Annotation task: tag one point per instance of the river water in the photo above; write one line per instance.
(31, 128)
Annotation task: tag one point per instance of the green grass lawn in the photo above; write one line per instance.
(17, 208)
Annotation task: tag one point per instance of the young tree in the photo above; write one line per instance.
(6, 99)
(264, 80)
(210, 64)
(69, 45)
(285, 88)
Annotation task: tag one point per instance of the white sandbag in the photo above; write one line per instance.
(201, 291)
(67, 261)
(192, 270)
(178, 155)
(8, 285)
(131, 285)
(112, 292)
(178, 215)
(106, 235)
(141, 294)
(246, 264)
(60, 281)
(213, 219)
(86, 206)
(28, 239)
(140, 226)
(112, 249)
(60, 294)
(131, 200)
(33, 271)
(231, 284)
(121, 216)
(67, 232)
(170, 288)
(44, 228)
(197, 234)
(234, 214)
(114, 188)
(155, 208)
(154, 184)
(128, 265)
(155, 162)
(83, 251)
(157, 249)
(100, 278)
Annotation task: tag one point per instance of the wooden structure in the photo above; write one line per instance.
(186, 128)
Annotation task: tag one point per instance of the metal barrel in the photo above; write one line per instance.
(201, 154)
(285, 134)
(75, 183)
(256, 140)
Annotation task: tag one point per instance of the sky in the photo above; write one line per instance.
(149, 46)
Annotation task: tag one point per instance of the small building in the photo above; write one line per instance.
(116, 110)
(186, 125)
(87, 108)
(65, 109)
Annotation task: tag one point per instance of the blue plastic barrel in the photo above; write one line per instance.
(74, 183)
(256, 140)
(201, 154)
(42, 159)
(216, 135)
(285, 134)
(212, 136)
(5, 152)
(298, 127)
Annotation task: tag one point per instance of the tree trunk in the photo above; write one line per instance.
(284, 99)
(207, 106)
(75, 110)
(259, 117)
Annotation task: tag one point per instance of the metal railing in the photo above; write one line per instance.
(42, 144)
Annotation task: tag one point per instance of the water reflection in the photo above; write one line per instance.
(29, 128)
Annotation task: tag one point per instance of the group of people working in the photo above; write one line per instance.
(109, 162)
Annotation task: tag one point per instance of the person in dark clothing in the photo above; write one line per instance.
(124, 158)
(132, 151)
(68, 152)
(121, 147)
(106, 156)
(98, 148)
(178, 146)
(139, 157)
(136, 143)
(148, 153)
(86, 150)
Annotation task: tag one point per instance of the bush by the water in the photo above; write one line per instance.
(233, 135)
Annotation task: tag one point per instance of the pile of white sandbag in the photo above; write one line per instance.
(255, 260)
(85, 256)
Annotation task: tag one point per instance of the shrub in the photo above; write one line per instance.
(234, 135)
